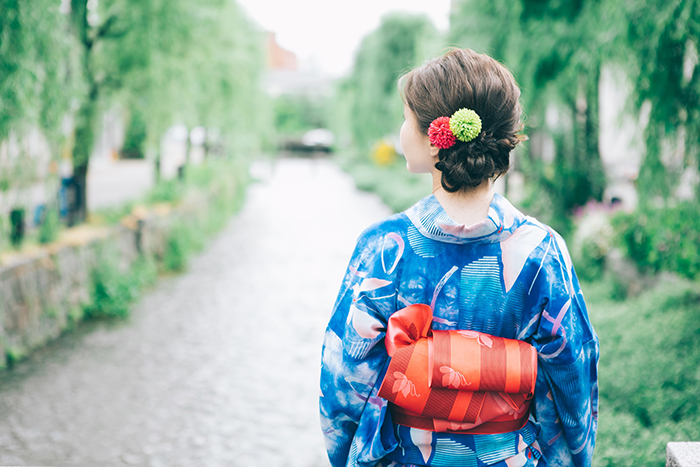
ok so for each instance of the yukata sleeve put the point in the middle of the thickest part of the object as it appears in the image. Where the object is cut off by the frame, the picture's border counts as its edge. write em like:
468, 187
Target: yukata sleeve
566, 395
353, 356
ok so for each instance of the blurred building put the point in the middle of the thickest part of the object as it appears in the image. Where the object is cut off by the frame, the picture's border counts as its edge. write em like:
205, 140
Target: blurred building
279, 58
285, 75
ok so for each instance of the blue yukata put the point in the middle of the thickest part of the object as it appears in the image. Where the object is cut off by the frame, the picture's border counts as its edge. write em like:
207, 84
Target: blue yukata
509, 276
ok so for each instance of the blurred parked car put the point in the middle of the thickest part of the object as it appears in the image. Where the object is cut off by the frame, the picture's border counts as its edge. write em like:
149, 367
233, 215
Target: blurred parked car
318, 140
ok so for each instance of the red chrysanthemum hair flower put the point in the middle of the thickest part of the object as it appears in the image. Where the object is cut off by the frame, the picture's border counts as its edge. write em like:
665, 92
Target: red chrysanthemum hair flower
440, 133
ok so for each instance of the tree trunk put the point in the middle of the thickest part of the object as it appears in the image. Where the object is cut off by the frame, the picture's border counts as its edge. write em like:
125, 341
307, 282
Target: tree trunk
596, 171
157, 164
587, 167
77, 211
84, 142
188, 150
85, 119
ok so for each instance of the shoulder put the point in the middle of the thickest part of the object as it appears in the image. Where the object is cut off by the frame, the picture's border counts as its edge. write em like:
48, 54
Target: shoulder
540, 238
535, 250
395, 225
382, 242
553, 243
549, 256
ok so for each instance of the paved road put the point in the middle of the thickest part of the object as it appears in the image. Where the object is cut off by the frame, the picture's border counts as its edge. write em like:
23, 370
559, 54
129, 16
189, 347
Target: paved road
216, 367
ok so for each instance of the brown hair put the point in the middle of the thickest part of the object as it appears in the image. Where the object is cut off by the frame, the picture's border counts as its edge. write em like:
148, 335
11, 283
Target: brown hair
463, 78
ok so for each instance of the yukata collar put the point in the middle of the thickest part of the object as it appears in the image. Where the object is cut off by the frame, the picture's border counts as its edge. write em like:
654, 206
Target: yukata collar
429, 217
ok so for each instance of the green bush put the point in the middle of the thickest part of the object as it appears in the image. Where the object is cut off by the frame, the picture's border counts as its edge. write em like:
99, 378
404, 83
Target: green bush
113, 214
223, 182
113, 290
226, 182
135, 137
590, 265
166, 191
50, 226
13, 355
663, 239
180, 245
648, 373
591, 242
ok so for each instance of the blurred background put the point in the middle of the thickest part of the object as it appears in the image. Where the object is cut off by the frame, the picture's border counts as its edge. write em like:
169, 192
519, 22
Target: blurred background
119, 112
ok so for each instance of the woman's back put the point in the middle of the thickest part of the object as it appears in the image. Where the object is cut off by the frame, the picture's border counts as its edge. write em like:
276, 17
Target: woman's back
506, 275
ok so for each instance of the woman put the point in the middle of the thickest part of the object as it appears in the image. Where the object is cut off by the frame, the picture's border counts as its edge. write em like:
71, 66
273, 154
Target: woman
480, 265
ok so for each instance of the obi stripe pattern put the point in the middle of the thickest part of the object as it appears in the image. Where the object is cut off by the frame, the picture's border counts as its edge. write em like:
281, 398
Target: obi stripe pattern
461, 381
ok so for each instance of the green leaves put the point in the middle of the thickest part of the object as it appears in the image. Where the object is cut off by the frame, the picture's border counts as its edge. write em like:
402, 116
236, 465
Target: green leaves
370, 99
175, 60
663, 239
33, 91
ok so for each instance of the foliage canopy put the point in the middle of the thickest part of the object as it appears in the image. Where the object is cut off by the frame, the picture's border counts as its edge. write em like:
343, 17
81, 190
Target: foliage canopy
557, 51
162, 61
368, 100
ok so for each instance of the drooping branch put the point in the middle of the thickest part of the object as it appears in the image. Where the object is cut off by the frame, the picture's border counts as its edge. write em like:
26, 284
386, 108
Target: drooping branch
79, 11
109, 81
107, 29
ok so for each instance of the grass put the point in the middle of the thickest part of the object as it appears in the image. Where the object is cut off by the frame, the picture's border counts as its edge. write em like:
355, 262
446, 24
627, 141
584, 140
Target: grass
113, 290
649, 375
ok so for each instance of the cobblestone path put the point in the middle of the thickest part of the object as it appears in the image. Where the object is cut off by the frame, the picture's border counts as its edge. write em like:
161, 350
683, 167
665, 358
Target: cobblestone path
216, 367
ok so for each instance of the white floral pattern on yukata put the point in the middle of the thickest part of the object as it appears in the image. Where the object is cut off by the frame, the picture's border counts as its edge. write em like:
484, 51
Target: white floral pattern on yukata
508, 276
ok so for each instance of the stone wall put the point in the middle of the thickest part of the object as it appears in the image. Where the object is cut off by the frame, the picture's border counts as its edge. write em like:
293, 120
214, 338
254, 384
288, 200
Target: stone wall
45, 292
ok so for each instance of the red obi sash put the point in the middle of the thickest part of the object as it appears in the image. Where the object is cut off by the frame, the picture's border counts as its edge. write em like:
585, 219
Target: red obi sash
457, 381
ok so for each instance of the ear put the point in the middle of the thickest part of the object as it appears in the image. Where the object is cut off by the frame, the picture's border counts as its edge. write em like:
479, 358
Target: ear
434, 150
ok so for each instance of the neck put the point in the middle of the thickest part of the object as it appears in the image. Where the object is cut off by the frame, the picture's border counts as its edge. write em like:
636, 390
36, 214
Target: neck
466, 207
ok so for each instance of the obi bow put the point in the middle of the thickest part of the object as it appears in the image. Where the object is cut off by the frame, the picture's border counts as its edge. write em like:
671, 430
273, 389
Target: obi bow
458, 381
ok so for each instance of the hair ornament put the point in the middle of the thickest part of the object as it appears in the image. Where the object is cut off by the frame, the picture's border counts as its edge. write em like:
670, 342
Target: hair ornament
464, 125
440, 134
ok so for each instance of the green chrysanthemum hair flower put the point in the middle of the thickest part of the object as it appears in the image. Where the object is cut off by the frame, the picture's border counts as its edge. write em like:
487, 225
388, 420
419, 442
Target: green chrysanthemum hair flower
465, 125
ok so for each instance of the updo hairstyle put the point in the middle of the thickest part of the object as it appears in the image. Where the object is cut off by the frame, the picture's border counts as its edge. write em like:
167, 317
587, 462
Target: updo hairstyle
459, 79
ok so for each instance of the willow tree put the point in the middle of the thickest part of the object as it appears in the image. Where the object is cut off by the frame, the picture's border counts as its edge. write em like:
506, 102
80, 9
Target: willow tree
171, 60
202, 66
561, 63
224, 79
661, 59
115, 44
554, 50
557, 49
36, 86
369, 95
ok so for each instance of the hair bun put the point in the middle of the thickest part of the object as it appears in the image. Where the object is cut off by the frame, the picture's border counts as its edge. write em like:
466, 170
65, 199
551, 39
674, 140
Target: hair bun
467, 165
463, 79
